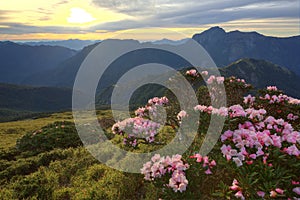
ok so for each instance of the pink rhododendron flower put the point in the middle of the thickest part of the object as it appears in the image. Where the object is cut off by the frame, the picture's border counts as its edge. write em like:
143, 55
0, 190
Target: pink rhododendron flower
192, 72
292, 117
272, 88
279, 191
181, 115
260, 193
236, 111
234, 187
293, 150
235, 182
198, 156
226, 151
205, 73
211, 79
227, 134
237, 161
240, 195
220, 79
297, 190
295, 182
273, 194
293, 100
208, 171
249, 99
206, 162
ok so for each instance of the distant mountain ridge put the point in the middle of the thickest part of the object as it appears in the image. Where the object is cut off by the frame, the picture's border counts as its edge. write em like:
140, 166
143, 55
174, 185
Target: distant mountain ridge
227, 47
19, 61
75, 44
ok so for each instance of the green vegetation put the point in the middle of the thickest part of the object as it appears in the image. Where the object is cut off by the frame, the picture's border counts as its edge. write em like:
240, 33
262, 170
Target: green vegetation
44, 159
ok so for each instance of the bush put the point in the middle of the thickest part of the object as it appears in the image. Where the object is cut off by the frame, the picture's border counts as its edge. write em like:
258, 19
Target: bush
57, 135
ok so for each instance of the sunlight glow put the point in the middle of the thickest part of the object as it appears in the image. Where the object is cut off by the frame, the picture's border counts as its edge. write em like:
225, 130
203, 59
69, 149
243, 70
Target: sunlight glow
80, 16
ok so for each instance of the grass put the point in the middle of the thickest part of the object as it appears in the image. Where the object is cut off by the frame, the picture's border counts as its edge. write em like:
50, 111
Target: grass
11, 131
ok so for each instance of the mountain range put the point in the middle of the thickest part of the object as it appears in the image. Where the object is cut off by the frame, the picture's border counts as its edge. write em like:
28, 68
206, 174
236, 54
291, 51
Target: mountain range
49, 71
259, 73
45, 65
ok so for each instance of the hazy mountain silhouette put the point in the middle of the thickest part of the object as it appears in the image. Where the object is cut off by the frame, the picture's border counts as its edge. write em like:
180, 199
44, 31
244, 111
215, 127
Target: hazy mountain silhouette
64, 75
19, 61
71, 43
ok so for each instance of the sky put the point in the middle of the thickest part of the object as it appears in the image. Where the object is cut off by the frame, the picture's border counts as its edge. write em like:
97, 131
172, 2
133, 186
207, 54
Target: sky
143, 19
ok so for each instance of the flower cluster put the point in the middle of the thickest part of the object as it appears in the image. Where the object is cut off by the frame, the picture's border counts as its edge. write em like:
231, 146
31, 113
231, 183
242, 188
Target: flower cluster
292, 117
160, 166
233, 111
192, 73
276, 98
252, 139
151, 107
272, 88
215, 79
195, 74
207, 164
281, 98
249, 100
259, 135
139, 127
136, 128
234, 79
239, 81
239, 194
294, 101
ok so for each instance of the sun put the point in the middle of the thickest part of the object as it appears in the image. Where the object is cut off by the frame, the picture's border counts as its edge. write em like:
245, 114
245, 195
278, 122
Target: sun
79, 16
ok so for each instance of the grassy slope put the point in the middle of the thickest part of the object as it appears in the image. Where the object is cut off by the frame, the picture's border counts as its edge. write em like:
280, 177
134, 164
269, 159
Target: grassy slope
11, 131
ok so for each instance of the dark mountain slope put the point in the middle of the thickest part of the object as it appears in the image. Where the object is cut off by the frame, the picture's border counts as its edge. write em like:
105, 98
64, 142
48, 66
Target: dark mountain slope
63, 75
261, 73
34, 99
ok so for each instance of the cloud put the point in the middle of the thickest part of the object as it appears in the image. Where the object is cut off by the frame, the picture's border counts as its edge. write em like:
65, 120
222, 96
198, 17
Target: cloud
4, 14
180, 13
19, 29
172, 14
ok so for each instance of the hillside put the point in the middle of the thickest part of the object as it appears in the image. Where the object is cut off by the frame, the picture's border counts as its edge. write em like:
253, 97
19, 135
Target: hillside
45, 158
14, 99
227, 47
17, 101
261, 73
19, 61
64, 75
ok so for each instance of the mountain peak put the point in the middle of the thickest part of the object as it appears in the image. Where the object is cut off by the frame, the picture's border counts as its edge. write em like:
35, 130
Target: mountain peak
215, 30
